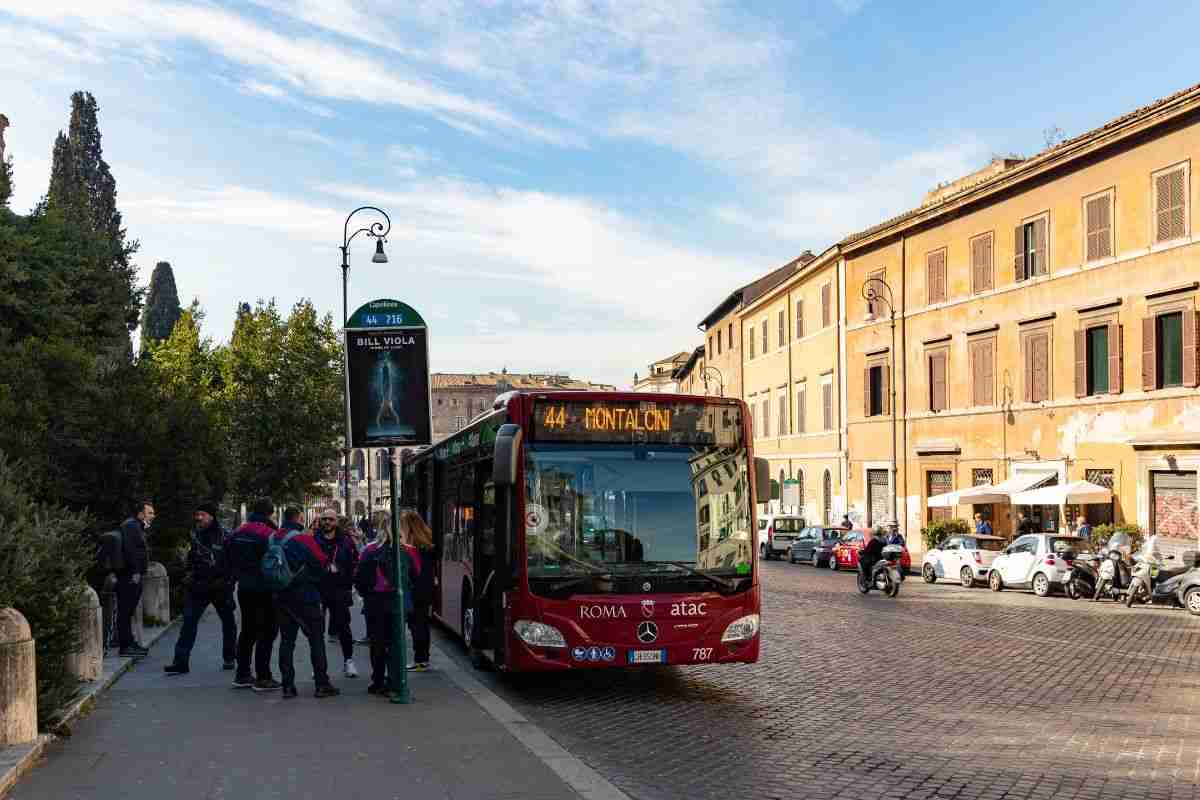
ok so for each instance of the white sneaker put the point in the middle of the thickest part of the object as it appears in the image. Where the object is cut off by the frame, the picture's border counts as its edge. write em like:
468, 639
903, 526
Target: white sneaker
351, 670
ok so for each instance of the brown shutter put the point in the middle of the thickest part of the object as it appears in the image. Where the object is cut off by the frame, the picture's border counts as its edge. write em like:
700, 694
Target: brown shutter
937, 382
825, 306
827, 406
987, 370
1029, 347
930, 280
1115, 352
1189, 347
1080, 363
1149, 356
799, 319
867, 392
1018, 256
1039, 243
885, 386
1041, 368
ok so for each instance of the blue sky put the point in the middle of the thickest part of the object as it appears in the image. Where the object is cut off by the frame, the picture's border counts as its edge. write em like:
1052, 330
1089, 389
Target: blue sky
573, 184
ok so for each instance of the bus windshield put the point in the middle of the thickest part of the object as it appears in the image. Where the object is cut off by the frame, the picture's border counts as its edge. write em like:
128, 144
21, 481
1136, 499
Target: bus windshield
634, 510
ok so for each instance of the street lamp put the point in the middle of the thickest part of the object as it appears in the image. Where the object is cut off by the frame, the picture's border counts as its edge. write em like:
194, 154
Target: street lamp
378, 231
720, 379
877, 290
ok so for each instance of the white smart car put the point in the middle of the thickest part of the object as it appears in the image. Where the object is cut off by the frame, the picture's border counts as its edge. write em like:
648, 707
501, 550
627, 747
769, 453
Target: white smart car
1038, 561
965, 559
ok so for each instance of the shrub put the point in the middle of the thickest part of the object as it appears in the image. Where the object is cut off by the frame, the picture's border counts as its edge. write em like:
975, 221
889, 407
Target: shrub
942, 529
44, 555
1102, 533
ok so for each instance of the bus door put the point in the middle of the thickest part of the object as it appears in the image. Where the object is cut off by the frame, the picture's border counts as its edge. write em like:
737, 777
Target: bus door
426, 494
484, 558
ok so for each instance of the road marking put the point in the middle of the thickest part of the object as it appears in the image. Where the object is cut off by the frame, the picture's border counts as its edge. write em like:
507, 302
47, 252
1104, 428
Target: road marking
576, 774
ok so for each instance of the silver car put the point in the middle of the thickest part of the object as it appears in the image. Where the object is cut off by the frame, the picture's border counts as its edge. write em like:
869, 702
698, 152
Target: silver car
1037, 561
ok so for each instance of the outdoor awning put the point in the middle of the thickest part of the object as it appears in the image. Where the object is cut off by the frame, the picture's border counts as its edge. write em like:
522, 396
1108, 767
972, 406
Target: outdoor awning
982, 495
1075, 493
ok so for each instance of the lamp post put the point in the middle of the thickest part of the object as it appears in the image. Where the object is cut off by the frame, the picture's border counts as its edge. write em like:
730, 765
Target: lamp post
720, 380
877, 290
378, 231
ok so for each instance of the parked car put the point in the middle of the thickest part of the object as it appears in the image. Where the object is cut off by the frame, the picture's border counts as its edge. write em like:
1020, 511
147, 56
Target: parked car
815, 545
966, 559
776, 533
846, 552
1038, 561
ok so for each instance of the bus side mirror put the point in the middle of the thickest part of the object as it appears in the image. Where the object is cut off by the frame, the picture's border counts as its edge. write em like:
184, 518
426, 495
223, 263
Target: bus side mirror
762, 480
508, 453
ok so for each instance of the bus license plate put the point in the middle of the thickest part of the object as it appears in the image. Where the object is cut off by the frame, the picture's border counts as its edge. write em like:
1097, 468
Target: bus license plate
647, 656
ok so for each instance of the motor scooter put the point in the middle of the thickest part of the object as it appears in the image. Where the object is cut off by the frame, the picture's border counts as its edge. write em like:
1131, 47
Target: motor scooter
1113, 577
1084, 576
885, 574
1154, 583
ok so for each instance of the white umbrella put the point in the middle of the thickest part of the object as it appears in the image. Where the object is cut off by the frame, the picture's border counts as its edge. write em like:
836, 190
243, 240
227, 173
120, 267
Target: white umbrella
1074, 493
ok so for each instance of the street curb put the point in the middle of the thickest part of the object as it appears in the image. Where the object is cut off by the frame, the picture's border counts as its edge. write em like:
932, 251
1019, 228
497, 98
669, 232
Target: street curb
588, 783
17, 760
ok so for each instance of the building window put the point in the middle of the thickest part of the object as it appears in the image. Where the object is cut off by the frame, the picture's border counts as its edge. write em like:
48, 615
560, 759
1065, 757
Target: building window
708, 352
827, 497
751, 354
981, 263
782, 402
878, 491
799, 319
1030, 248
459, 423
1098, 360
935, 277
938, 481
935, 369
981, 477
827, 404
766, 417
782, 328
1100, 513
876, 401
873, 308
1170, 204
766, 346
1037, 367
1169, 351
983, 372
826, 305
801, 417
730, 336
1098, 226
718, 341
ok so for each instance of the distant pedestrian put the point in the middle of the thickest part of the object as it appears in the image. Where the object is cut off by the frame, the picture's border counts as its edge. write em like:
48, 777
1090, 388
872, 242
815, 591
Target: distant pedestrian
336, 585
299, 610
419, 539
129, 579
895, 537
1024, 524
1084, 531
207, 584
846, 523
245, 550
982, 526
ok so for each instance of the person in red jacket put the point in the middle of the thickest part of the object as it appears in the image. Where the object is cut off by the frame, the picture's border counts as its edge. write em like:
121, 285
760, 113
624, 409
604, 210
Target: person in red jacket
373, 579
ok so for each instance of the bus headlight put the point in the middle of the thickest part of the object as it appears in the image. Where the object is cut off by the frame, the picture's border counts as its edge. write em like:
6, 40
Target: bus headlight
741, 630
539, 634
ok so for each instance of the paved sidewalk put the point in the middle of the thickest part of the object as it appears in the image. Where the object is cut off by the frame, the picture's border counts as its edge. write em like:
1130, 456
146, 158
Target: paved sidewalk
153, 737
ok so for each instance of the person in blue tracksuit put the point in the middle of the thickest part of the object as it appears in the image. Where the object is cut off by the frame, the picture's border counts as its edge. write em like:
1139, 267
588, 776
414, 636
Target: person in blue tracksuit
244, 551
299, 609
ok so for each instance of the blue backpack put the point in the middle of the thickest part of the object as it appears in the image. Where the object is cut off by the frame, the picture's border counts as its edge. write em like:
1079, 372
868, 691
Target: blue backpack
276, 571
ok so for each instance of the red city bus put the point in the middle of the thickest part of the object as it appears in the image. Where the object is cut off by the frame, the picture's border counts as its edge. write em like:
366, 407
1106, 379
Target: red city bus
580, 529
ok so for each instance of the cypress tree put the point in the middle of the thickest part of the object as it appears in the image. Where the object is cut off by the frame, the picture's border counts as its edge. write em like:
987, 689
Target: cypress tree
162, 310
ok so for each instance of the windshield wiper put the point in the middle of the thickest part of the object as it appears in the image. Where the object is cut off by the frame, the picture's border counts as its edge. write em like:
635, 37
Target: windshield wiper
683, 565
576, 580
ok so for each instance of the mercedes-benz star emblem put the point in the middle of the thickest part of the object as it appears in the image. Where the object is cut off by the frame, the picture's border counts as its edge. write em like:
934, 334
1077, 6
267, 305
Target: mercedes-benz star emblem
647, 632
646, 586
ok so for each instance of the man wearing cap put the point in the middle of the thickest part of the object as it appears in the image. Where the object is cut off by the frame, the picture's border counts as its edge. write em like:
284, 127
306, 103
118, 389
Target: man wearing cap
207, 582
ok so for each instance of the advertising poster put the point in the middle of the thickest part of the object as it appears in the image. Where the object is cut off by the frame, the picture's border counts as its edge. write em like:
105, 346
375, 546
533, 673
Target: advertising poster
388, 385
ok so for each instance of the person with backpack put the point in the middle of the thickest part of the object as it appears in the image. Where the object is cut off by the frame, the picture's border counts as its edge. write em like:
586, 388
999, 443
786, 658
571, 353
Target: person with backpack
207, 582
135, 560
337, 584
244, 551
293, 567
373, 579
419, 541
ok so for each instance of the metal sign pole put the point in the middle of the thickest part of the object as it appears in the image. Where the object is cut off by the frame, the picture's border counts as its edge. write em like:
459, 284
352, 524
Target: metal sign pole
399, 665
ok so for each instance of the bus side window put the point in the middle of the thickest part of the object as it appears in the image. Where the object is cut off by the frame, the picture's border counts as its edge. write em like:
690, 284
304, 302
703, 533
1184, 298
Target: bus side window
449, 517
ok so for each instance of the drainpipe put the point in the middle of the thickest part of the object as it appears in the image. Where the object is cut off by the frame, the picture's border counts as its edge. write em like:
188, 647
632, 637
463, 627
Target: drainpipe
843, 432
904, 386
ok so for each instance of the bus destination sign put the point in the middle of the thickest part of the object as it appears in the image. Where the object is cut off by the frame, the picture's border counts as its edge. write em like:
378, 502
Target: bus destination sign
650, 422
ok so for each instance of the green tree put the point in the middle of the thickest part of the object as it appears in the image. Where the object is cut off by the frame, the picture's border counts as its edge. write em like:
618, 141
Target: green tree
281, 400
161, 310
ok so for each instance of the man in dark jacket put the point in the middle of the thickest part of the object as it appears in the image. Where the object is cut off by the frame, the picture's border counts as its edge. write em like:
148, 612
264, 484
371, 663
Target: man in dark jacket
207, 583
336, 584
129, 580
245, 550
299, 609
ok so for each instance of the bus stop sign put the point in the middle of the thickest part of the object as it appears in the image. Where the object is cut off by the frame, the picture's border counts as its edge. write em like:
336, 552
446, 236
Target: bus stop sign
387, 376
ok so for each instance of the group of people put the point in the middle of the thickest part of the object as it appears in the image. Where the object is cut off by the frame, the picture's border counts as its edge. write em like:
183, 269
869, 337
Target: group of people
322, 567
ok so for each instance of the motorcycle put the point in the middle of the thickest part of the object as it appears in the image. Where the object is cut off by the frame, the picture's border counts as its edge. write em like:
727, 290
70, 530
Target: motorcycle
1153, 583
885, 574
1082, 580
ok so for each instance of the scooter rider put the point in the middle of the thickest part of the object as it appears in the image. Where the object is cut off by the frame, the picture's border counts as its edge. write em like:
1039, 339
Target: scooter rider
871, 553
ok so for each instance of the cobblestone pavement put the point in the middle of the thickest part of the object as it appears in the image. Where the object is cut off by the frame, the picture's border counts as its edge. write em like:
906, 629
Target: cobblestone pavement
944, 692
